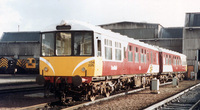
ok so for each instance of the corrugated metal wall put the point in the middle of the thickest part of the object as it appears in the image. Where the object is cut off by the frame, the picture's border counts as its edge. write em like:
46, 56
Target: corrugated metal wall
191, 38
172, 44
20, 36
20, 49
155, 34
137, 33
135, 30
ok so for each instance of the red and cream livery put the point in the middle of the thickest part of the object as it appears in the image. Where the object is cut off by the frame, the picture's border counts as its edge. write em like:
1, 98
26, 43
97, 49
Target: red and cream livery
88, 60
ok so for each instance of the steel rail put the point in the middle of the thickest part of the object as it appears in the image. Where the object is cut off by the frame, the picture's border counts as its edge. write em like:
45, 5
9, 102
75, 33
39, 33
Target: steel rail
34, 107
159, 104
195, 105
110, 97
21, 89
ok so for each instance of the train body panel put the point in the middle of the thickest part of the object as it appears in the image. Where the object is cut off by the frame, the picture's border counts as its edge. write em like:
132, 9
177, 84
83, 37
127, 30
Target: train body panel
172, 62
71, 66
153, 69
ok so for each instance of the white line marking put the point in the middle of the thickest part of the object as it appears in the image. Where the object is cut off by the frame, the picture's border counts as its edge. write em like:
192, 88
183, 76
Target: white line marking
49, 64
81, 63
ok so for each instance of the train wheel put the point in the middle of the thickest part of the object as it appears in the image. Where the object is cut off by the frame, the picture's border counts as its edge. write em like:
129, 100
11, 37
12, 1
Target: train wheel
47, 87
107, 94
92, 98
63, 98
107, 91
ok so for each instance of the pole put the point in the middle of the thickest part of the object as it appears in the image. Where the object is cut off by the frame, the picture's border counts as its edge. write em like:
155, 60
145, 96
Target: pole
18, 28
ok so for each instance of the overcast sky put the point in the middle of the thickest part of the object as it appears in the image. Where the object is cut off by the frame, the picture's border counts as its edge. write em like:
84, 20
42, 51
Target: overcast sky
36, 15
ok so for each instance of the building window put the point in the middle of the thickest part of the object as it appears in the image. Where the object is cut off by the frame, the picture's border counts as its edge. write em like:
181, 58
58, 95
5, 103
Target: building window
108, 49
130, 53
117, 51
136, 55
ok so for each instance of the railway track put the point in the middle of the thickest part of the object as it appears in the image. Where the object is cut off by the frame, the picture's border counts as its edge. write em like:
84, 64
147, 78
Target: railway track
79, 104
185, 100
19, 87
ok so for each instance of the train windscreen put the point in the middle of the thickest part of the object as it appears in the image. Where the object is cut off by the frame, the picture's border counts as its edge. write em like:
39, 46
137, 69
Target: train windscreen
48, 44
67, 44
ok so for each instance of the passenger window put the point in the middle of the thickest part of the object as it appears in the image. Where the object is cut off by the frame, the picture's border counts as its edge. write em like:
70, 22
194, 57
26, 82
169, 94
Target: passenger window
108, 49
156, 58
124, 52
142, 56
167, 59
163, 58
151, 57
174, 60
145, 56
136, 55
118, 51
130, 53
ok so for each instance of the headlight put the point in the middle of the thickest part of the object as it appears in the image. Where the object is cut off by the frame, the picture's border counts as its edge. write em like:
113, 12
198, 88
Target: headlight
45, 69
83, 69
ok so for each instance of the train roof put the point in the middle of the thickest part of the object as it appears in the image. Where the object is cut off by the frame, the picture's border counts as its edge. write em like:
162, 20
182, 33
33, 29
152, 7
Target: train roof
78, 25
171, 52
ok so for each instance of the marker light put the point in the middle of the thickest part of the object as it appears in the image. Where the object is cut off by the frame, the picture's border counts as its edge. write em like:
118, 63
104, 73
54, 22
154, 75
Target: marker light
83, 69
45, 69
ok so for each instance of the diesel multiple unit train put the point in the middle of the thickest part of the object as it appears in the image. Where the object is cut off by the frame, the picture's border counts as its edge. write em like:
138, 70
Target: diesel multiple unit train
82, 60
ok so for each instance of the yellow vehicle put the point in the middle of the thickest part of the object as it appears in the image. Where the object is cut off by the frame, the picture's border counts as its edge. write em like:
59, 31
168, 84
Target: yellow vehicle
68, 55
7, 65
30, 63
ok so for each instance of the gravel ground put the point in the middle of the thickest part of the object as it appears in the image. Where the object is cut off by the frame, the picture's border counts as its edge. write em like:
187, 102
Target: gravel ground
141, 99
13, 101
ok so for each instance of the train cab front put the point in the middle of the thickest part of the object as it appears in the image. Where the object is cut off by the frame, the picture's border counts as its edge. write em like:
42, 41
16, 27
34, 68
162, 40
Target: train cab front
68, 56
